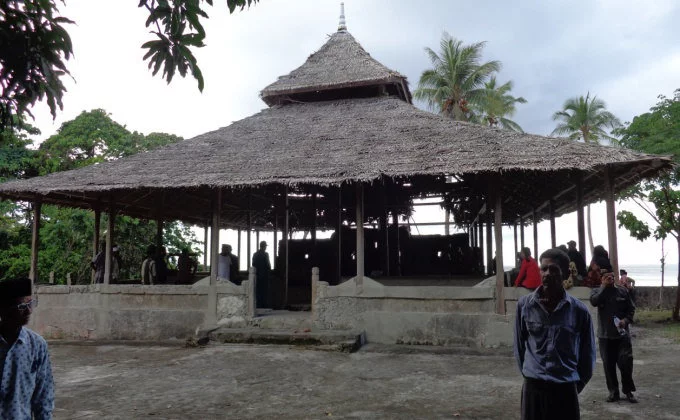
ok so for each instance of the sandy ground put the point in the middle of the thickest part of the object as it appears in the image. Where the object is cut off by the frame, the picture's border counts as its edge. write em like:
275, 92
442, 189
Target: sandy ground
378, 382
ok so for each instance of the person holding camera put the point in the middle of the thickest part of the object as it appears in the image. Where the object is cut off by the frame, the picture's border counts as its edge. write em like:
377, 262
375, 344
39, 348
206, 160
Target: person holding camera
615, 311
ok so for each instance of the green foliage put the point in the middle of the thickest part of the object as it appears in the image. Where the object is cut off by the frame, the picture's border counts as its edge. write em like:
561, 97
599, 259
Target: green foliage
638, 229
585, 119
496, 104
66, 234
457, 78
657, 131
34, 48
178, 28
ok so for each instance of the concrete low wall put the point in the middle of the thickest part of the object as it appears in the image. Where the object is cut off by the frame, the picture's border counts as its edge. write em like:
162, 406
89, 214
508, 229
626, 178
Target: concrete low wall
648, 297
439, 315
132, 312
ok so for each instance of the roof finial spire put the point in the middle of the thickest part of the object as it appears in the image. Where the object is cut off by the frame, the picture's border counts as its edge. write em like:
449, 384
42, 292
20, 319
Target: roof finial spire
342, 26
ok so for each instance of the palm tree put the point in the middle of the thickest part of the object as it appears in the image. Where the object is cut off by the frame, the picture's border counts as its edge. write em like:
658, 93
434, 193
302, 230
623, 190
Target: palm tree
497, 104
457, 78
585, 119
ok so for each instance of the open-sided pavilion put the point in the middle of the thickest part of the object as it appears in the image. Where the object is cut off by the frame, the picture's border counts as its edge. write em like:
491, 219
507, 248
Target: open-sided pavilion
341, 144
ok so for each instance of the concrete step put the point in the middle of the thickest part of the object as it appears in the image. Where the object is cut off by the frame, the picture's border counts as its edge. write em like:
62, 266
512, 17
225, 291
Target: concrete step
342, 341
282, 320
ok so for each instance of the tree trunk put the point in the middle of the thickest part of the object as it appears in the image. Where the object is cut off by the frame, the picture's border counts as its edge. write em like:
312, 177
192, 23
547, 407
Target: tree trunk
590, 233
676, 309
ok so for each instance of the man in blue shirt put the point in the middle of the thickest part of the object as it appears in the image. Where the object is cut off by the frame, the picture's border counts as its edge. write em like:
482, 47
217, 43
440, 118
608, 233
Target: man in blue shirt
554, 344
26, 385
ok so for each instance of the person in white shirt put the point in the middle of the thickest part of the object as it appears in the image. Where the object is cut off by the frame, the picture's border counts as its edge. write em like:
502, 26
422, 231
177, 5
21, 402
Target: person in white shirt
227, 265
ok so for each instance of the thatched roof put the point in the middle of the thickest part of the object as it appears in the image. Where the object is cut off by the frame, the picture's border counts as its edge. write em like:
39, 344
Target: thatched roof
344, 141
341, 63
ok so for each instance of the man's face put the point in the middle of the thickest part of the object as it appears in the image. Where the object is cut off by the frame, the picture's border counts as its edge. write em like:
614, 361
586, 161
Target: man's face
227, 250
551, 275
18, 313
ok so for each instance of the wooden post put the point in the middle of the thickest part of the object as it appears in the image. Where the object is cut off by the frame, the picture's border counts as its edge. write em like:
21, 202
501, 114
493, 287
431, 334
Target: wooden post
553, 234
611, 222
314, 221
481, 261
159, 233
35, 241
338, 232
205, 245
580, 217
239, 254
521, 232
275, 245
286, 236
95, 237
500, 273
211, 317
395, 222
385, 231
250, 228
489, 240
108, 263
514, 256
534, 215
360, 235
215, 236
257, 239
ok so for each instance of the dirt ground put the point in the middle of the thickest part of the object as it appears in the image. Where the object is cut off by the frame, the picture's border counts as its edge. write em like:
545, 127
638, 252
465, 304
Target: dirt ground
378, 382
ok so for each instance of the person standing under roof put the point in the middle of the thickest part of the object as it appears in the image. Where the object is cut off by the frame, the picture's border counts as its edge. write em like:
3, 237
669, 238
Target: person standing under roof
599, 265
577, 258
554, 344
98, 264
529, 275
227, 264
615, 312
26, 384
262, 269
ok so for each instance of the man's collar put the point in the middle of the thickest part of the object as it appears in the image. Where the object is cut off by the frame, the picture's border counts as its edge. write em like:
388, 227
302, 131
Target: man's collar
536, 296
21, 338
23, 335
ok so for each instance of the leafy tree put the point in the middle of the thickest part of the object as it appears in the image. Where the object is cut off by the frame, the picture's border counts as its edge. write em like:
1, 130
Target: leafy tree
657, 131
585, 118
496, 104
35, 46
66, 233
457, 78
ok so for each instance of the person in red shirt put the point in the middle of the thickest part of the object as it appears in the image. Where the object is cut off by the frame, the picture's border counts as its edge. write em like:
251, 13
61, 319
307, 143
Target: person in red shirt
529, 273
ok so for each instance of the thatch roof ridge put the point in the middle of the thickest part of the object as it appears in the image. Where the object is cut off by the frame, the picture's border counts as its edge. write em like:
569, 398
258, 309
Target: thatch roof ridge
328, 143
341, 62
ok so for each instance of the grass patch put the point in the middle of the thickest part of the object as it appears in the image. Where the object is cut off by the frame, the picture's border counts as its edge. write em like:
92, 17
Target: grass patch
660, 321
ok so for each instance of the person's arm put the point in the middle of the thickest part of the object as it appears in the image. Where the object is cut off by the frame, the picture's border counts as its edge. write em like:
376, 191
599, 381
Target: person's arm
596, 295
520, 336
42, 400
522, 273
586, 359
152, 272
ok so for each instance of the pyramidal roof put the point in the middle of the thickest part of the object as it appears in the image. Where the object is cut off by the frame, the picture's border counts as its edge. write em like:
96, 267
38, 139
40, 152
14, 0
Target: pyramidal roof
341, 63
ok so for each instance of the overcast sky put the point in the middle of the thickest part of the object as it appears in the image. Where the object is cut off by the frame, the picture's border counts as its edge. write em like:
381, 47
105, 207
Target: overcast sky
626, 52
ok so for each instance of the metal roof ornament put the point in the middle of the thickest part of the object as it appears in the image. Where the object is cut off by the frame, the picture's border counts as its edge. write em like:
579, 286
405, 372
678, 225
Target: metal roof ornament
342, 26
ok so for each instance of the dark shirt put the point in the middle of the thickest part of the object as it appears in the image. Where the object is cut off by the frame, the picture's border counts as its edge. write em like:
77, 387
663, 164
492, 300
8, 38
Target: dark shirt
161, 270
577, 258
612, 302
261, 264
557, 346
